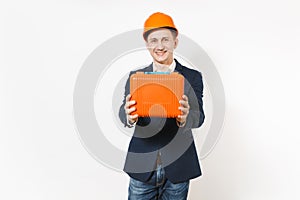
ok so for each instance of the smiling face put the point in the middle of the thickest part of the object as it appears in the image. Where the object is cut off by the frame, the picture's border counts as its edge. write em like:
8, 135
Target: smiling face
161, 44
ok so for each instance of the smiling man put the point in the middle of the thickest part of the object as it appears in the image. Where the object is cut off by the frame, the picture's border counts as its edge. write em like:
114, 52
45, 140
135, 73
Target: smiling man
161, 44
170, 159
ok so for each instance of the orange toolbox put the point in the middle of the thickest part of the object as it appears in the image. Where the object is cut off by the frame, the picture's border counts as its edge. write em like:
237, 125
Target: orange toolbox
157, 94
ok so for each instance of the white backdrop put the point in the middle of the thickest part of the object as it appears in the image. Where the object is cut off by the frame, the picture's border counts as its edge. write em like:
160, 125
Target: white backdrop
255, 46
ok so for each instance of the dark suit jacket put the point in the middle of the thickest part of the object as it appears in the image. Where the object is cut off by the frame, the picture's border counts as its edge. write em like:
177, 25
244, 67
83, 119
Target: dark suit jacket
176, 145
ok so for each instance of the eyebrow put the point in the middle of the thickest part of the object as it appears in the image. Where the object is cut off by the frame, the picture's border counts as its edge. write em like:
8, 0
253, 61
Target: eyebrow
154, 38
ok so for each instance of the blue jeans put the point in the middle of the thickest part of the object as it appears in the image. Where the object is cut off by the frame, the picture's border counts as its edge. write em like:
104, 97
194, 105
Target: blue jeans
157, 188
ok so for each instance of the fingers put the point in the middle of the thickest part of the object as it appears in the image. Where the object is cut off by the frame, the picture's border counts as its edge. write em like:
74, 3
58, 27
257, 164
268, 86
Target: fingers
128, 111
128, 97
128, 104
185, 98
129, 108
132, 118
184, 102
184, 111
184, 108
181, 118
184, 105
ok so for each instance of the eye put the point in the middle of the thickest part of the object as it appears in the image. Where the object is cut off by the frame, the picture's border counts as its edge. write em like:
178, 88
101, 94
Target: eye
153, 41
165, 39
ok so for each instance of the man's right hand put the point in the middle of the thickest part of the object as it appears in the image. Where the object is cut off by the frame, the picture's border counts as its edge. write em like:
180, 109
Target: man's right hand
129, 108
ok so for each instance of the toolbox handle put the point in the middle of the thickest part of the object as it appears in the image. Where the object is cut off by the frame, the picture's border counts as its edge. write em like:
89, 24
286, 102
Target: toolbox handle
158, 72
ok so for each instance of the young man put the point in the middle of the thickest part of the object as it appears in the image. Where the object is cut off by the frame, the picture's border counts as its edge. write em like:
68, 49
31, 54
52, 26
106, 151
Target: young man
162, 156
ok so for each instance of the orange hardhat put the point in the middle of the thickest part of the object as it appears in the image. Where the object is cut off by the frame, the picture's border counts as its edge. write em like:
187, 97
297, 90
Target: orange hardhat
158, 20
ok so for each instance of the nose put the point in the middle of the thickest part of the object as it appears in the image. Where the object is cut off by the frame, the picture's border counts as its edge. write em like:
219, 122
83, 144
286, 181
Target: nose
160, 45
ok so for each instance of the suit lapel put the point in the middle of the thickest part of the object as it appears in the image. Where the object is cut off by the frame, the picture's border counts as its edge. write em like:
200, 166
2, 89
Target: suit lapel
149, 68
178, 67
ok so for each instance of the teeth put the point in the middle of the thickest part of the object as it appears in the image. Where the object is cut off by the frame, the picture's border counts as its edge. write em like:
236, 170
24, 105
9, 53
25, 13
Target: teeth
160, 53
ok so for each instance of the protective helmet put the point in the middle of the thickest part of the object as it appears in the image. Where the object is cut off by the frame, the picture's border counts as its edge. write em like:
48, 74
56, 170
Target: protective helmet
158, 20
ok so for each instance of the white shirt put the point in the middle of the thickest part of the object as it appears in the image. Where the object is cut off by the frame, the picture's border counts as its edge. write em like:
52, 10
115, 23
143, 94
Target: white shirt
170, 68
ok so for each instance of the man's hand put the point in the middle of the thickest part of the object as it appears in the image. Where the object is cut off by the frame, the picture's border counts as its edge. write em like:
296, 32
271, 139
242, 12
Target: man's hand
129, 108
184, 108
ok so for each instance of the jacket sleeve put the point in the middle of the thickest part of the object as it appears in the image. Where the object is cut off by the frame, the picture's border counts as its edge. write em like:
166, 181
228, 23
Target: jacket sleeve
196, 114
122, 114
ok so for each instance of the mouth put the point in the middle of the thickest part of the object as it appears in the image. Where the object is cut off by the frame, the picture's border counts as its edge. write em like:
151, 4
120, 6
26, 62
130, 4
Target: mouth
160, 53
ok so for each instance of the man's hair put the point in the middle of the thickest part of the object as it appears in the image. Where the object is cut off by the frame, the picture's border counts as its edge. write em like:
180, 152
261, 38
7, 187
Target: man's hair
174, 32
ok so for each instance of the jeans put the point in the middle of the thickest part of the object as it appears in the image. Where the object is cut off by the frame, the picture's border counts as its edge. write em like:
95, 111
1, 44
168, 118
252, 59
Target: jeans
157, 188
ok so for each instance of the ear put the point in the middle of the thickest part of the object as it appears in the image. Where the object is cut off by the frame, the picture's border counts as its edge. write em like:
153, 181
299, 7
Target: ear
176, 42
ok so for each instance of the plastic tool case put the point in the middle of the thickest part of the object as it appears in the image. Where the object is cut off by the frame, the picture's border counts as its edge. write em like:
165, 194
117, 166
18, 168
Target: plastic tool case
157, 94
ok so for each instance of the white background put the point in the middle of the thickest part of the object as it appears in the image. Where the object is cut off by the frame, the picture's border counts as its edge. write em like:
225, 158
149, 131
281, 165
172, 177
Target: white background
254, 44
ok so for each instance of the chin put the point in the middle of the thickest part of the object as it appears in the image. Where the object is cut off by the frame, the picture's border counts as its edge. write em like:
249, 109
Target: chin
161, 60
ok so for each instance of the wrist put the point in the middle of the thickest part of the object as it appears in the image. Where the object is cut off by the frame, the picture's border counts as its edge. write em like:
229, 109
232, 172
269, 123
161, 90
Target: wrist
180, 124
131, 123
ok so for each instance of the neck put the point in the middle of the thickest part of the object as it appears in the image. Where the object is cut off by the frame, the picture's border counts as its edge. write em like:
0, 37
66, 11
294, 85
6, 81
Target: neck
163, 67
167, 63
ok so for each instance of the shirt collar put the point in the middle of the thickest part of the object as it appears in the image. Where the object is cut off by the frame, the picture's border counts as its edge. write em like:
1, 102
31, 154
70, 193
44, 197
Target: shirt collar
171, 67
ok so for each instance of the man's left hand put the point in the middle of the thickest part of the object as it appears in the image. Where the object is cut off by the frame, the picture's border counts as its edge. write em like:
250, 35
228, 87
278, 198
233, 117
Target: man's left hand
184, 108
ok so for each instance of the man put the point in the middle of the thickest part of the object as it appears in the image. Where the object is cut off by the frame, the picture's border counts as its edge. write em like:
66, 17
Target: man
162, 156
